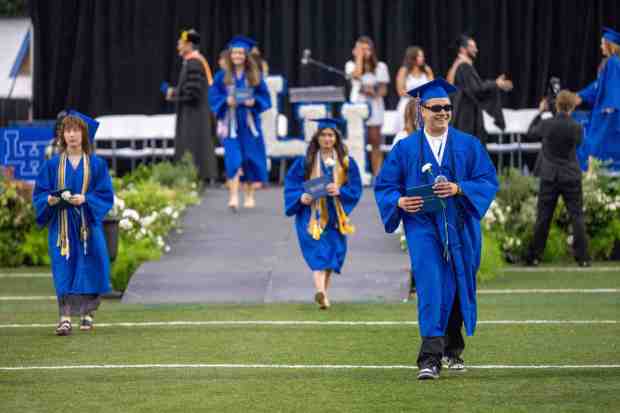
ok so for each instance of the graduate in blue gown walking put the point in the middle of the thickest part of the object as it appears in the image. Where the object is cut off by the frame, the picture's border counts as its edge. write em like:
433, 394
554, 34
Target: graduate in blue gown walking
602, 137
445, 245
237, 97
323, 224
72, 194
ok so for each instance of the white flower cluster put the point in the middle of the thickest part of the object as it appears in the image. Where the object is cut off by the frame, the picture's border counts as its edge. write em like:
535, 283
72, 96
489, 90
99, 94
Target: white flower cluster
149, 226
495, 215
613, 204
510, 243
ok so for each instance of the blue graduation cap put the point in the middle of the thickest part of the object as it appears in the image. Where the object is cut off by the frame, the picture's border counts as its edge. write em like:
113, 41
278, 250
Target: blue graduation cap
438, 88
242, 42
611, 35
90, 122
329, 123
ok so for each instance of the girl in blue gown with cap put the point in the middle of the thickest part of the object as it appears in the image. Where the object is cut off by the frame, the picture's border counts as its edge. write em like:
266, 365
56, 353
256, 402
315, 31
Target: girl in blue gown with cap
444, 245
245, 156
602, 138
323, 224
76, 243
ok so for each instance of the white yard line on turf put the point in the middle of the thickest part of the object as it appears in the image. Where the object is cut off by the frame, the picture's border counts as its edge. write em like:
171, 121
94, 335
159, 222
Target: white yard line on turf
302, 366
549, 291
305, 323
28, 298
561, 269
482, 291
26, 275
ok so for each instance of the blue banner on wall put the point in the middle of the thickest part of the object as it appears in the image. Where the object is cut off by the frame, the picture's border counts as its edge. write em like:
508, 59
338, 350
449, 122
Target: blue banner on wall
24, 150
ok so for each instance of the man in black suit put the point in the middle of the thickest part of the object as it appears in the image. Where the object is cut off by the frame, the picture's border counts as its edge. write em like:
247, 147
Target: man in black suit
559, 173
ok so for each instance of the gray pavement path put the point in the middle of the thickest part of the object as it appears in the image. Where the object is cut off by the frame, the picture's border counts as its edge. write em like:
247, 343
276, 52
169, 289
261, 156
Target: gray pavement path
254, 257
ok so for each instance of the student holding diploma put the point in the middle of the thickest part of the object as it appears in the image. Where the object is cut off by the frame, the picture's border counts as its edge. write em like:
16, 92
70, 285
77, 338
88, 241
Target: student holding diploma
72, 195
321, 190
237, 97
444, 237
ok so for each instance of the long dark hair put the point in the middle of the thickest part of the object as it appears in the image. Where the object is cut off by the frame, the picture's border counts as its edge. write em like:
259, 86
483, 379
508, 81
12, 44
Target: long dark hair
371, 64
411, 55
314, 147
252, 72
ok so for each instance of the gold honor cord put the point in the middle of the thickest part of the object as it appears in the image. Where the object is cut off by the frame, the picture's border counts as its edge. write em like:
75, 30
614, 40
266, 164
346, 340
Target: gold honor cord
63, 228
319, 207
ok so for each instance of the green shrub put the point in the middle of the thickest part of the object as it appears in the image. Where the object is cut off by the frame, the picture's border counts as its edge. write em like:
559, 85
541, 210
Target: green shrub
131, 254
492, 261
16, 219
35, 247
557, 248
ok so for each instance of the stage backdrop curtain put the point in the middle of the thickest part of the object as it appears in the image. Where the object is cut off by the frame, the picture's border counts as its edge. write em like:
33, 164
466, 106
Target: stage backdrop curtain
110, 56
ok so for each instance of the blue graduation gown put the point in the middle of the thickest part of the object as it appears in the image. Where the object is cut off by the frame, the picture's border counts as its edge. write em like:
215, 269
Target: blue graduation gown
328, 252
437, 280
82, 273
246, 150
602, 135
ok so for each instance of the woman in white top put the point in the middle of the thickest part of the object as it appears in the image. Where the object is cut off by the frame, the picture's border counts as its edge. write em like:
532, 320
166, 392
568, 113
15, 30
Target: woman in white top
411, 121
369, 80
413, 73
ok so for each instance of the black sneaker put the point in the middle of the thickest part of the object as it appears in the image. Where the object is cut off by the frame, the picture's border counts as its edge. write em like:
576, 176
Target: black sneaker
532, 262
455, 364
584, 264
86, 324
428, 373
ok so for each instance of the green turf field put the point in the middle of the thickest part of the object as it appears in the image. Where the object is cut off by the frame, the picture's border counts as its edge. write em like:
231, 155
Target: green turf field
316, 367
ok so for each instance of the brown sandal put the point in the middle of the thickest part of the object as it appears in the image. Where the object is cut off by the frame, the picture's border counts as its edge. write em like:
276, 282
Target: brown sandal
319, 298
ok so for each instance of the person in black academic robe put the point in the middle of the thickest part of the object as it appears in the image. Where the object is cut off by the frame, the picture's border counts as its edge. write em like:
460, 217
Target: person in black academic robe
194, 126
474, 94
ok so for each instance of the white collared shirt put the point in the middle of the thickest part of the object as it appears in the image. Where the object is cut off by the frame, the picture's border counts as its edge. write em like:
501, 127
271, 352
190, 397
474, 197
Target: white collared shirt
437, 144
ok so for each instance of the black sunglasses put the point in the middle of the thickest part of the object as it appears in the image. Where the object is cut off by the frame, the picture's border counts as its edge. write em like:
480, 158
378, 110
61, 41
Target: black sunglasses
439, 108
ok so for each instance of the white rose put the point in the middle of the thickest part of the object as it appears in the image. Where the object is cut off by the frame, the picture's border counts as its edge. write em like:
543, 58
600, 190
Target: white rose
427, 168
125, 224
131, 213
330, 162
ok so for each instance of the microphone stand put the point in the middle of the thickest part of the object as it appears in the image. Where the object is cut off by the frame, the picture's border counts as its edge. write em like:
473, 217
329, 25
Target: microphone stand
308, 60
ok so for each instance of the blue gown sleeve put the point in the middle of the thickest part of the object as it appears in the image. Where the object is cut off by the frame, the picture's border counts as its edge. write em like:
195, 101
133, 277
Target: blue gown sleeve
262, 99
389, 187
351, 192
609, 85
294, 188
44, 184
218, 93
588, 94
100, 194
481, 186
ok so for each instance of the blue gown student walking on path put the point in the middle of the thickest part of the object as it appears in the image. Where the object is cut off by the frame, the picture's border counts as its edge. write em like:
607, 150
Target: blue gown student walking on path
602, 138
237, 97
445, 245
322, 224
72, 195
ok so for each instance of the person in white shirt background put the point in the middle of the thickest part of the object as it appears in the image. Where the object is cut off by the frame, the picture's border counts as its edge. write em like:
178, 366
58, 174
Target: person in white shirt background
369, 80
413, 73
